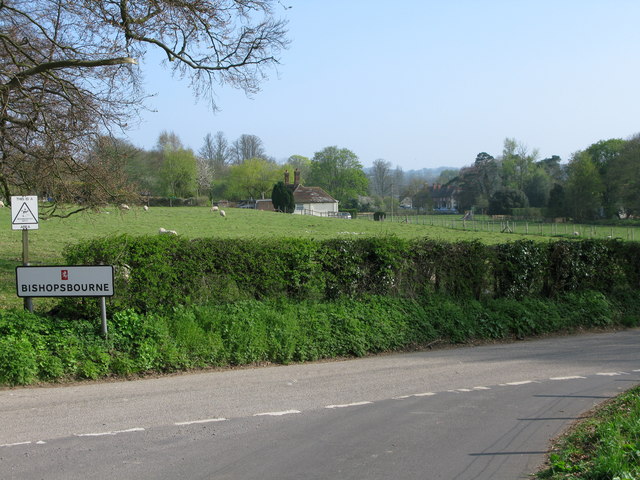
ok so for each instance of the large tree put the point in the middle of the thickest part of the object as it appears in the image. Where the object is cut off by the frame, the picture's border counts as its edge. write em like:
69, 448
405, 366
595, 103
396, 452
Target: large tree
216, 153
381, 178
623, 177
68, 74
339, 172
252, 179
583, 193
247, 147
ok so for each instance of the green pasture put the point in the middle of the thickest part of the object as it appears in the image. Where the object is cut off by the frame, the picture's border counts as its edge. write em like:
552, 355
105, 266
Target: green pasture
47, 243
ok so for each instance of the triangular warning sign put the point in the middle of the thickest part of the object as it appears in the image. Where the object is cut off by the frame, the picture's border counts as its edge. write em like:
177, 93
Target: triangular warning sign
25, 216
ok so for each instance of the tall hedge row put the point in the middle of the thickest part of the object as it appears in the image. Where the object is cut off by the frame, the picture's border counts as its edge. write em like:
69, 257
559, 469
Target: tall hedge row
159, 272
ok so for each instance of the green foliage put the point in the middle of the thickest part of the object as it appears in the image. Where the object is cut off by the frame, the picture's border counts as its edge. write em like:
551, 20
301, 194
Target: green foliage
42, 348
504, 201
604, 447
154, 273
339, 172
519, 269
282, 198
178, 173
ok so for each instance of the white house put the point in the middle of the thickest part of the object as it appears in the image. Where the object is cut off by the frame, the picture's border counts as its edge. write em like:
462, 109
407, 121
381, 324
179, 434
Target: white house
314, 201
308, 200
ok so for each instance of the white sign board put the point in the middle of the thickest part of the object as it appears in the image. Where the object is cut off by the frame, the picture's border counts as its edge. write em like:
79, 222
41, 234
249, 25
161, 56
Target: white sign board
24, 213
60, 281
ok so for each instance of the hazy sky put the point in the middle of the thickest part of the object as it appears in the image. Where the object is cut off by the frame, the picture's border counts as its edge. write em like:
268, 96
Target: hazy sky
425, 83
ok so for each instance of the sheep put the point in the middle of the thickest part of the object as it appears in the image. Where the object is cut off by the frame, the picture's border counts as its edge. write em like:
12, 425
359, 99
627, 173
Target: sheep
214, 208
125, 271
576, 234
223, 215
167, 232
1, 204
124, 206
145, 208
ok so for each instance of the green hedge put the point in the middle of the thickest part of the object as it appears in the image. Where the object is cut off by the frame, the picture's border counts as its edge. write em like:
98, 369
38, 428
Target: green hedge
45, 348
159, 272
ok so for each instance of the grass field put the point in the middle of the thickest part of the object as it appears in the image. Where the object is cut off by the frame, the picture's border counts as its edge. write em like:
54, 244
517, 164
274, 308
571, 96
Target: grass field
47, 243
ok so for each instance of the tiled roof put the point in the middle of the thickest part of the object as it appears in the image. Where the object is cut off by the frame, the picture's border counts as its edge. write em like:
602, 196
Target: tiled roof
304, 194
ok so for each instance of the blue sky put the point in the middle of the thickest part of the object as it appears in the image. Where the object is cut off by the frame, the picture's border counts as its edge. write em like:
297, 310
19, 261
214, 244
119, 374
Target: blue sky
425, 84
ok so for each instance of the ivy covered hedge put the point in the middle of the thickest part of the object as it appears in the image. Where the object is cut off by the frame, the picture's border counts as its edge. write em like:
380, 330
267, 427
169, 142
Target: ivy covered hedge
154, 273
45, 348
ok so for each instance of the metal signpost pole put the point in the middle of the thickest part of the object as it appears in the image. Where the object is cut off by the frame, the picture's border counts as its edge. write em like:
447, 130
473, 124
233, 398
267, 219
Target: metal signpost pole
28, 301
103, 312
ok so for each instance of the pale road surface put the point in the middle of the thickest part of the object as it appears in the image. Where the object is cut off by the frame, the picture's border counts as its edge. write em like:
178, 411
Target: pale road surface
476, 413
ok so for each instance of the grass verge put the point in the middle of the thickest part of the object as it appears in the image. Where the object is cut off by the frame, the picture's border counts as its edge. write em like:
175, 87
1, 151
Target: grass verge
45, 348
604, 447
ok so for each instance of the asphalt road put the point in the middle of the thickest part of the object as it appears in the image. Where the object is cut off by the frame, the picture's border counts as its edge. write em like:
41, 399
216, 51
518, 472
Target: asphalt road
470, 413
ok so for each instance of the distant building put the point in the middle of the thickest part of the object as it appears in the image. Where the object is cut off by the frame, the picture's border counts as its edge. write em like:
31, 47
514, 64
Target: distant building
443, 197
308, 200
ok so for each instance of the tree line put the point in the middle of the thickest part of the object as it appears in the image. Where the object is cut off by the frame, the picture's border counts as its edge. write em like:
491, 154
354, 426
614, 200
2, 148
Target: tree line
238, 170
601, 181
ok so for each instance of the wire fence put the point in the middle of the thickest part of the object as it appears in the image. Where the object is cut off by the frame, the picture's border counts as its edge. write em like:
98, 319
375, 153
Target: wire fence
504, 225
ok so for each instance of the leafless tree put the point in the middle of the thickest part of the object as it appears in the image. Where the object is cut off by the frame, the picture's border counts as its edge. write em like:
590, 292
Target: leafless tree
68, 74
381, 177
247, 147
216, 153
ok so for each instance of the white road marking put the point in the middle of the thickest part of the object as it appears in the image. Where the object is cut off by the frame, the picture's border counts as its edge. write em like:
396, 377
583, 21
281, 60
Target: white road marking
355, 404
276, 414
15, 444
608, 374
40, 442
515, 384
115, 432
481, 388
208, 420
574, 377
464, 390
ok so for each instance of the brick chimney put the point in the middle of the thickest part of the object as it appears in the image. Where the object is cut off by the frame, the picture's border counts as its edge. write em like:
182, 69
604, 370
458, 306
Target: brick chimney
296, 177
286, 177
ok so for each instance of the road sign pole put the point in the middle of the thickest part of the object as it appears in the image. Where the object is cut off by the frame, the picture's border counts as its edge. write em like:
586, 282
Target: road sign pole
28, 301
103, 312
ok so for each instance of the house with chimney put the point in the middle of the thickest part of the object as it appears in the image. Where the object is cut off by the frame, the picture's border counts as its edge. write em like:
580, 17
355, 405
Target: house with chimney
308, 200
443, 198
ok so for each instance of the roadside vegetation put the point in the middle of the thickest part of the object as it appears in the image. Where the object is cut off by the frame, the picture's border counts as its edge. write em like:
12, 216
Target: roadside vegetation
202, 300
48, 242
604, 447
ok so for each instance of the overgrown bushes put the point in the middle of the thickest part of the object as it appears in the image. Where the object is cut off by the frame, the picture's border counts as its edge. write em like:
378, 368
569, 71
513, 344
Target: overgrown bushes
43, 348
184, 304
156, 272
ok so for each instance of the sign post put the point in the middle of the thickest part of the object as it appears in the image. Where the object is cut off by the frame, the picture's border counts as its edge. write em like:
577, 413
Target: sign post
24, 216
67, 281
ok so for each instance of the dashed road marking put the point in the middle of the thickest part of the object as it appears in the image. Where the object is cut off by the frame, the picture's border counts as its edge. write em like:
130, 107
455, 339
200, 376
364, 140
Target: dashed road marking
207, 420
14, 444
574, 377
115, 432
515, 384
608, 374
354, 404
276, 414
425, 394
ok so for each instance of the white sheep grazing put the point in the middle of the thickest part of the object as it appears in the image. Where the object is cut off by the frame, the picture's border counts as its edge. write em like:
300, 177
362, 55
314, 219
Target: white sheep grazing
222, 214
167, 232
1, 204
214, 208
145, 208
124, 206
577, 234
